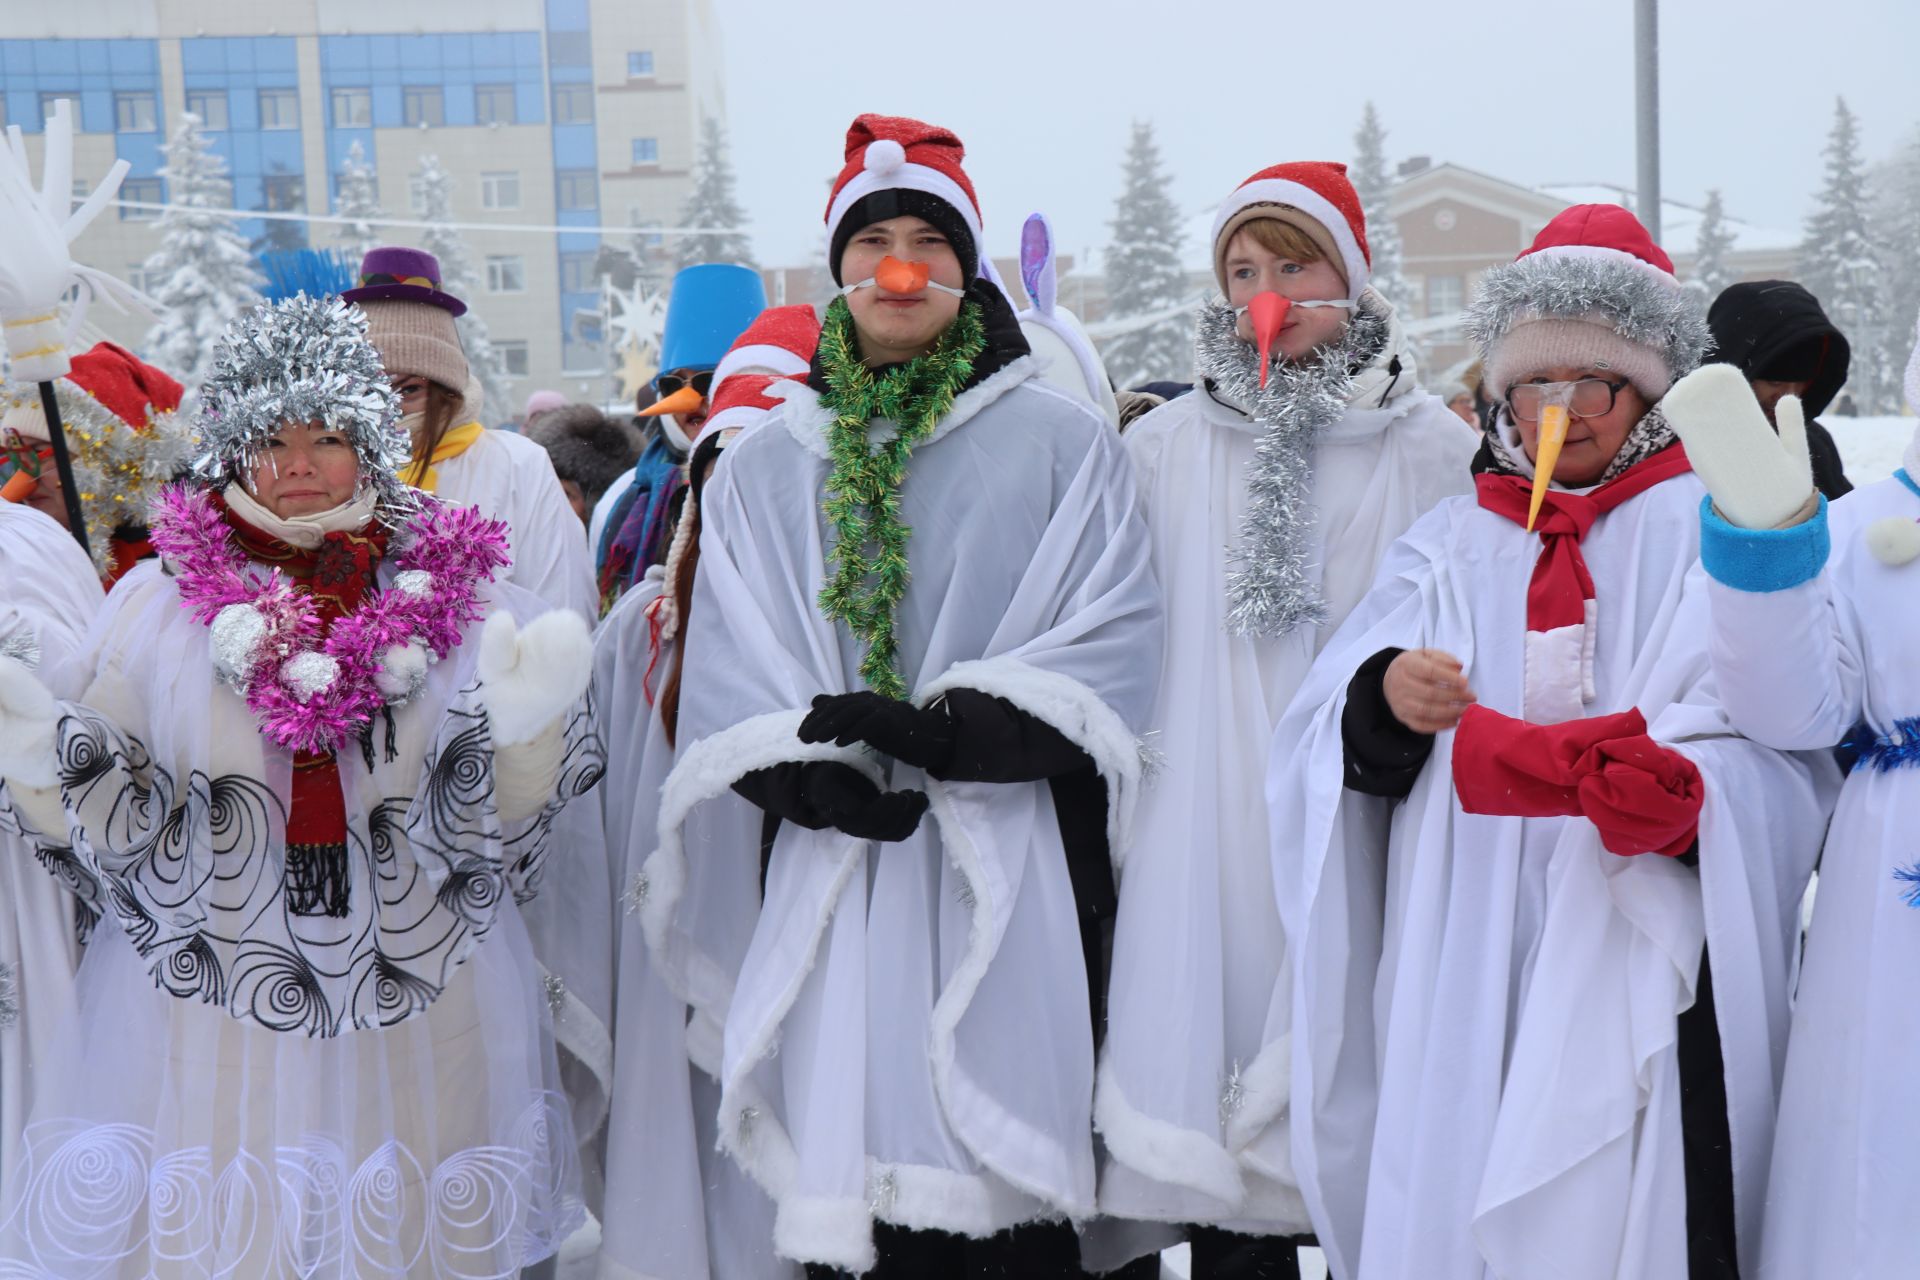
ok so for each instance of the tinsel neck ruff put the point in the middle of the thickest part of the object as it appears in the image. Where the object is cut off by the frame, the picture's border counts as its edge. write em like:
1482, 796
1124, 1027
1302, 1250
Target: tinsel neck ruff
1270, 585
867, 563
302, 360
311, 693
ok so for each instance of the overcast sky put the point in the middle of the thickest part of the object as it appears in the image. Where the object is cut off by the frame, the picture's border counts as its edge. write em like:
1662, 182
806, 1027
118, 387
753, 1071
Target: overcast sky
1042, 91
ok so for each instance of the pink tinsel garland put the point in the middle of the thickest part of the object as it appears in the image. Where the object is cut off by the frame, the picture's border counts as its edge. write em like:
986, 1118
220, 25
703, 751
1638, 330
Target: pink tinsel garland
455, 546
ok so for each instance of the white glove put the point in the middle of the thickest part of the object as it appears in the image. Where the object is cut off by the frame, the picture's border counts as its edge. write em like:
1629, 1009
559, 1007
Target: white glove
531, 677
28, 722
1758, 480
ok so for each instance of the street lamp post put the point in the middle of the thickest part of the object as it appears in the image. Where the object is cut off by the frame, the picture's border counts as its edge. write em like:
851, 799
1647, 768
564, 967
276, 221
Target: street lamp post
1646, 85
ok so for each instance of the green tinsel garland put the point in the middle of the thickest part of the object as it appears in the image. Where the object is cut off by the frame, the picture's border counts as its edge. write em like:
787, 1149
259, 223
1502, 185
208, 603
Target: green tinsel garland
867, 574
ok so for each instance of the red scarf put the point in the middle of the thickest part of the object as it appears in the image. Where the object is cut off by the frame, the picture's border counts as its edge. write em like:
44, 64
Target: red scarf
335, 576
1560, 604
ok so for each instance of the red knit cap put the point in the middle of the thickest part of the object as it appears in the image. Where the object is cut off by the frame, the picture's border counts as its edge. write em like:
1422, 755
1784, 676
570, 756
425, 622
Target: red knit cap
894, 153
780, 341
1316, 188
1602, 230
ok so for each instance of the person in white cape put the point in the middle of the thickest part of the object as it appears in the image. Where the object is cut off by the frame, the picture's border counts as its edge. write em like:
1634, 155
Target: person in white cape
1814, 617
53, 593
309, 1035
943, 765
1312, 476
1525, 1043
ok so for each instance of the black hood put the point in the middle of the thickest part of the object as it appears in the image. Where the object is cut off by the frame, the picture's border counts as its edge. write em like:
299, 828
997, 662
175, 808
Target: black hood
1775, 329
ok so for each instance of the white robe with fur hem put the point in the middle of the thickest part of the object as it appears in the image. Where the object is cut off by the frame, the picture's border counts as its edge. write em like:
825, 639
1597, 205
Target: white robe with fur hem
1485, 1007
926, 1000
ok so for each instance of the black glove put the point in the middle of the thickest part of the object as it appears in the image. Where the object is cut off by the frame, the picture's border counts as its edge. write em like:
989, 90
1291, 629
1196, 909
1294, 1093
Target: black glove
817, 794
923, 739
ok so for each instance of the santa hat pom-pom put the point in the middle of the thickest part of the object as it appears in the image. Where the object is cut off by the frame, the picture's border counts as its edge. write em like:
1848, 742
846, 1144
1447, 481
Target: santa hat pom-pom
1894, 541
884, 156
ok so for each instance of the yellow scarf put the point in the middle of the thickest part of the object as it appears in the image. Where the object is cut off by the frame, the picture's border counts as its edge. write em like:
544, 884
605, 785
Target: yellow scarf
424, 473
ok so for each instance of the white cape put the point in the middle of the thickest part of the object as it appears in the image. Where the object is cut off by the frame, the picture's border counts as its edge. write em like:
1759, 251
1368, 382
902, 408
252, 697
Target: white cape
927, 999
1198, 1007
1485, 1008
509, 477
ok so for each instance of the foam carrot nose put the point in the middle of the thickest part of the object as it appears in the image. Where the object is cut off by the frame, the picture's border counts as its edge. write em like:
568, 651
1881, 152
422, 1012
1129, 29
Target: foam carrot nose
896, 276
685, 400
18, 486
1267, 312
1553, 434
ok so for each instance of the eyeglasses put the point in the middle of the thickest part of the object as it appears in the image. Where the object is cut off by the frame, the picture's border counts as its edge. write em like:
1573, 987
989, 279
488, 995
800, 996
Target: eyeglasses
672, 382
1589, 398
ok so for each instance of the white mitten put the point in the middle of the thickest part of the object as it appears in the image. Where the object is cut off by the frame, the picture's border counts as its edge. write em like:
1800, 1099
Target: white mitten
28, 722
531, 677
1758, 480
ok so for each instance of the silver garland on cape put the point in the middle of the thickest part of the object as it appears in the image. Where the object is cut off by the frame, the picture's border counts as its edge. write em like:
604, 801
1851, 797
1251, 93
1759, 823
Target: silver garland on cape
1270, 590
303, 360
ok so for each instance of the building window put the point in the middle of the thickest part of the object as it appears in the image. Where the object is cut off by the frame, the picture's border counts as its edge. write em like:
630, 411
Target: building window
423, 104
135, 113
500, 190
140, 191
282, 192
506, 274
646, 151
52, 96
573, 104
577, 273
1446, 295
493, 104
575, 189
279, 109
513, 356
353, 108
210, 105
640, 64
140, 278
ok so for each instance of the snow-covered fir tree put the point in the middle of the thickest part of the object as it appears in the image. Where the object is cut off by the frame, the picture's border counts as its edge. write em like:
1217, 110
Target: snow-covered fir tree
1710, 273
1144, 277
1373, 182
358, 201
1896, 232
1839, 266
458, 276
712, 203
202, 275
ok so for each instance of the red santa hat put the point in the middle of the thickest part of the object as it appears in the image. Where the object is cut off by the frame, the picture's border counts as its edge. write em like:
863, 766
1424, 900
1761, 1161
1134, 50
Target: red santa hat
780, 341
1592, 291
132, 391
894, 153
1313, 195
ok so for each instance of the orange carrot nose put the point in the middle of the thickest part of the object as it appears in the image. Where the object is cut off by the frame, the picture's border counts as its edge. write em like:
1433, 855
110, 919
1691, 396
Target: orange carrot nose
1267, 312
18, 486
896, 276
685, 400
1553, 437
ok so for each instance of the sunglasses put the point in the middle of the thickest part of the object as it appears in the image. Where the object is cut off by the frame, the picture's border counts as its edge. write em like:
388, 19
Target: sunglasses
672, 382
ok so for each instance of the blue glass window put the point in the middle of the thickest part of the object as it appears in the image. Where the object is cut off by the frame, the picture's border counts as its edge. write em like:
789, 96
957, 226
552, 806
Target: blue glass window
493, 104
646, 151
210, 105
140, 191
279, 109
639, 63
135, 113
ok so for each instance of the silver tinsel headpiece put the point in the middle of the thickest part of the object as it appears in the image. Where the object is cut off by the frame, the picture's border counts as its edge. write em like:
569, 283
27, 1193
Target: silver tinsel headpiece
1270, 589
1545, 286
302, 360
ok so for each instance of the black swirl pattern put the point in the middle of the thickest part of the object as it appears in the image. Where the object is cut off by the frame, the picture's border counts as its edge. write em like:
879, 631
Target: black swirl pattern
278, 989
190, 970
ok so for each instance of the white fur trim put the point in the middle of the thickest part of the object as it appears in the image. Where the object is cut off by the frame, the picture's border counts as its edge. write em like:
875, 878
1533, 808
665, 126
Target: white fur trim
1612, 255
759, 357
1315, 206
838, 1233
1162, 1151
807, 419
923, 1198
733, 418
907, 177
1557, 672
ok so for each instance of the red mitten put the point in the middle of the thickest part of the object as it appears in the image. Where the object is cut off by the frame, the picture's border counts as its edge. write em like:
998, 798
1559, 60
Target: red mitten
1642, 797
1509, 768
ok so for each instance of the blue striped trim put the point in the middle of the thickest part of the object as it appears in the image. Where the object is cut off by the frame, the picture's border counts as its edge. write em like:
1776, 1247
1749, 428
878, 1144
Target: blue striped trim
1760, 560
1897, 749
1907, 480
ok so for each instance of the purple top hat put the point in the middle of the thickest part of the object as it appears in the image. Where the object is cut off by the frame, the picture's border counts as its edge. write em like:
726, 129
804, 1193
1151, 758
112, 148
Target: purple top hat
391, 273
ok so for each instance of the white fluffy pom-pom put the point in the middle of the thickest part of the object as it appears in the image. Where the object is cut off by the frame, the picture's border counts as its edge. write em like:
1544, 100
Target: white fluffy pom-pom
235, 638
1894, 541
403, 669
417, 583
885, 156
309, 673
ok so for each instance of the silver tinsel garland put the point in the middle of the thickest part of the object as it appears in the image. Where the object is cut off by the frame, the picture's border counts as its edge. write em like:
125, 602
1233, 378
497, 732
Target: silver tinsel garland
297, 361
1270, 589
1643, 309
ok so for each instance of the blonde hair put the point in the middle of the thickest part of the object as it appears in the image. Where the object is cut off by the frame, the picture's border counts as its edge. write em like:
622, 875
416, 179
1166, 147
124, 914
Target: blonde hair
1281, 239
